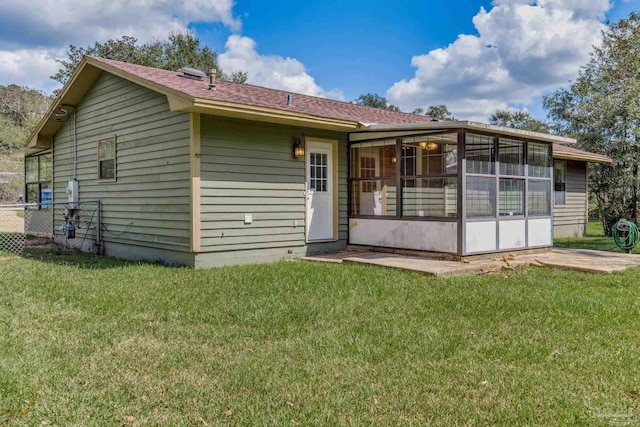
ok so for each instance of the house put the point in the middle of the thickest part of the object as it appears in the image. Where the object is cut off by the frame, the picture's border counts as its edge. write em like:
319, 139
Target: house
203, 173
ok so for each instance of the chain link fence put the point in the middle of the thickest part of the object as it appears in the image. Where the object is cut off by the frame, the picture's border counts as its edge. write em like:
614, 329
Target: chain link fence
72, 225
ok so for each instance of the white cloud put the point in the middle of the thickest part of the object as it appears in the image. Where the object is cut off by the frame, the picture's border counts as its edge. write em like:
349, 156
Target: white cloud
33, 33
270, 71
28, 57
23, 66
52, 23
522, 50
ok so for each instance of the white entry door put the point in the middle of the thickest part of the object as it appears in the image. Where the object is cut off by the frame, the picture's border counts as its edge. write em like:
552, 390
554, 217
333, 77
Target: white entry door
319, 163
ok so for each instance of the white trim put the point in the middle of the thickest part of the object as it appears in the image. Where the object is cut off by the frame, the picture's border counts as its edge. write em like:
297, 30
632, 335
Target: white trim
466, 125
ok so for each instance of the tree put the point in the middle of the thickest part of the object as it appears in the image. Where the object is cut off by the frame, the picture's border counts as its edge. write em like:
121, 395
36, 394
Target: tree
238, 77
437, 112
182, 49
602, 110
376, 101
518, 120
20, 111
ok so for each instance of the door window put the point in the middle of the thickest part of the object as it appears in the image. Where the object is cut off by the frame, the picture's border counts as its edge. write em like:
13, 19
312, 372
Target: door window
318, 170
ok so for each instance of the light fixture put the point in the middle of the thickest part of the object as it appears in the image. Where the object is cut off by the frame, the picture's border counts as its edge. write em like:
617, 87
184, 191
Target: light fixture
298, 148
429, 146
394, 160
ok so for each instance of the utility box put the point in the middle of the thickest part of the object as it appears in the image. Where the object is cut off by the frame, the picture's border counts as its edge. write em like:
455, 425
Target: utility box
72, 192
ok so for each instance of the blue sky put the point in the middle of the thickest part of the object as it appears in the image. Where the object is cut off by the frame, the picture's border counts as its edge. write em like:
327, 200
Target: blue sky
474, 56
363, 47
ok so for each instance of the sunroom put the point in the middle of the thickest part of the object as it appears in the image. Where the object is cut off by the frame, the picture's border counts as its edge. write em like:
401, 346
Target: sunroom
460, 188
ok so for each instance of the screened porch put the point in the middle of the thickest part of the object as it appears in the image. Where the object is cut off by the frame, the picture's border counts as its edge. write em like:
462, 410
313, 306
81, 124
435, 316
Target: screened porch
460, 191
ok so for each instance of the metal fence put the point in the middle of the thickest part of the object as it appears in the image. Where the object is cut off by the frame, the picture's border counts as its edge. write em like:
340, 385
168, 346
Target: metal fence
73, 225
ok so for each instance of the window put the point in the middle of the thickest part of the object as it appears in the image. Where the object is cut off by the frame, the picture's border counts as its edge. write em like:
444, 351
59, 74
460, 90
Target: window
511, 157
419, 173
481, 197
481, 190
539, 160
539, 168
511, 197
480, 154
560, 182
318, 170
373, 178
430, 197
368, 170
107, 159
38, 176
539, 197
429, 176
511, 164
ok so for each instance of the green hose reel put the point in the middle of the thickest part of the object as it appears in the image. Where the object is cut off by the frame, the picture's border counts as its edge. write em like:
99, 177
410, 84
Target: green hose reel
625, 234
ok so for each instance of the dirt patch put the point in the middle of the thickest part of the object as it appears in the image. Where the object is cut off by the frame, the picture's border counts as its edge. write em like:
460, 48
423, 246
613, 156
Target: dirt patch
10, 222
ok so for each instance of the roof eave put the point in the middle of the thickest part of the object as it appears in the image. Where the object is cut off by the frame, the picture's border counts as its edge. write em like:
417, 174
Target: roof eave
40, 138
460, 124
74, 90
263, 114
588, 157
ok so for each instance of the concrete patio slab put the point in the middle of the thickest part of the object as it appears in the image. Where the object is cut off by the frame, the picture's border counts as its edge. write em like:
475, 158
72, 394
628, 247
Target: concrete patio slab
572, 259
427, 266
588, 260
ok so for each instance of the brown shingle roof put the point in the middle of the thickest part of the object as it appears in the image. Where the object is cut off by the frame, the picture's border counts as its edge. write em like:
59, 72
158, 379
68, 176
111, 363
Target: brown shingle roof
247, 94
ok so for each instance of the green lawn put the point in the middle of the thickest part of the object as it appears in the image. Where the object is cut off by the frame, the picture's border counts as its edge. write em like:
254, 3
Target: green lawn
100, 342
595, 239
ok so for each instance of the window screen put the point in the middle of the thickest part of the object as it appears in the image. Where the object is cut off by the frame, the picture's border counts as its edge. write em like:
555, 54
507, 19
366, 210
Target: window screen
539, 160
430, 197
480, 154
539, 197
511, 198
481, 197
511, 156
373, 197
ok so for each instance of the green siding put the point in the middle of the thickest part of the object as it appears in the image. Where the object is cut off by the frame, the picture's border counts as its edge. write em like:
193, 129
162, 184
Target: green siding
247, 168
149, 204
570, 220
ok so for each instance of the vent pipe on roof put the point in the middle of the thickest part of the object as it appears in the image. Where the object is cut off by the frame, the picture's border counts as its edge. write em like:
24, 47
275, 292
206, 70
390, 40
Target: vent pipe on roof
289, 99
212, 79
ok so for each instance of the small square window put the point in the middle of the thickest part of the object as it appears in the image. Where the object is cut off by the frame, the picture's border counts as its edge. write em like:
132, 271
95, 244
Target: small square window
107, 159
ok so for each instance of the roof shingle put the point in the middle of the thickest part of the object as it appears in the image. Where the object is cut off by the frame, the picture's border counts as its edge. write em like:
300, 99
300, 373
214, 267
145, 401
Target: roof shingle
257, 96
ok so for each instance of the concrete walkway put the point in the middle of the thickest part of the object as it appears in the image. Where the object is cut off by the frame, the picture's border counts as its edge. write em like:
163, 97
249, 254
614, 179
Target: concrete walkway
572, 259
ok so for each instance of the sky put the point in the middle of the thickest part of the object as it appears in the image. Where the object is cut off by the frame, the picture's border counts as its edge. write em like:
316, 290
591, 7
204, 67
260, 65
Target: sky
474, 56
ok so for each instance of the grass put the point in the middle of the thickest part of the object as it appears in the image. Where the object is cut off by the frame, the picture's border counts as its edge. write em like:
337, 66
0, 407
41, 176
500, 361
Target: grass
98, 342
594, 239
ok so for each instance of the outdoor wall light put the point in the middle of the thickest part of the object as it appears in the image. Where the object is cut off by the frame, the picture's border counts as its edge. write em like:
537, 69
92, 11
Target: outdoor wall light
394, 160
298, 148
